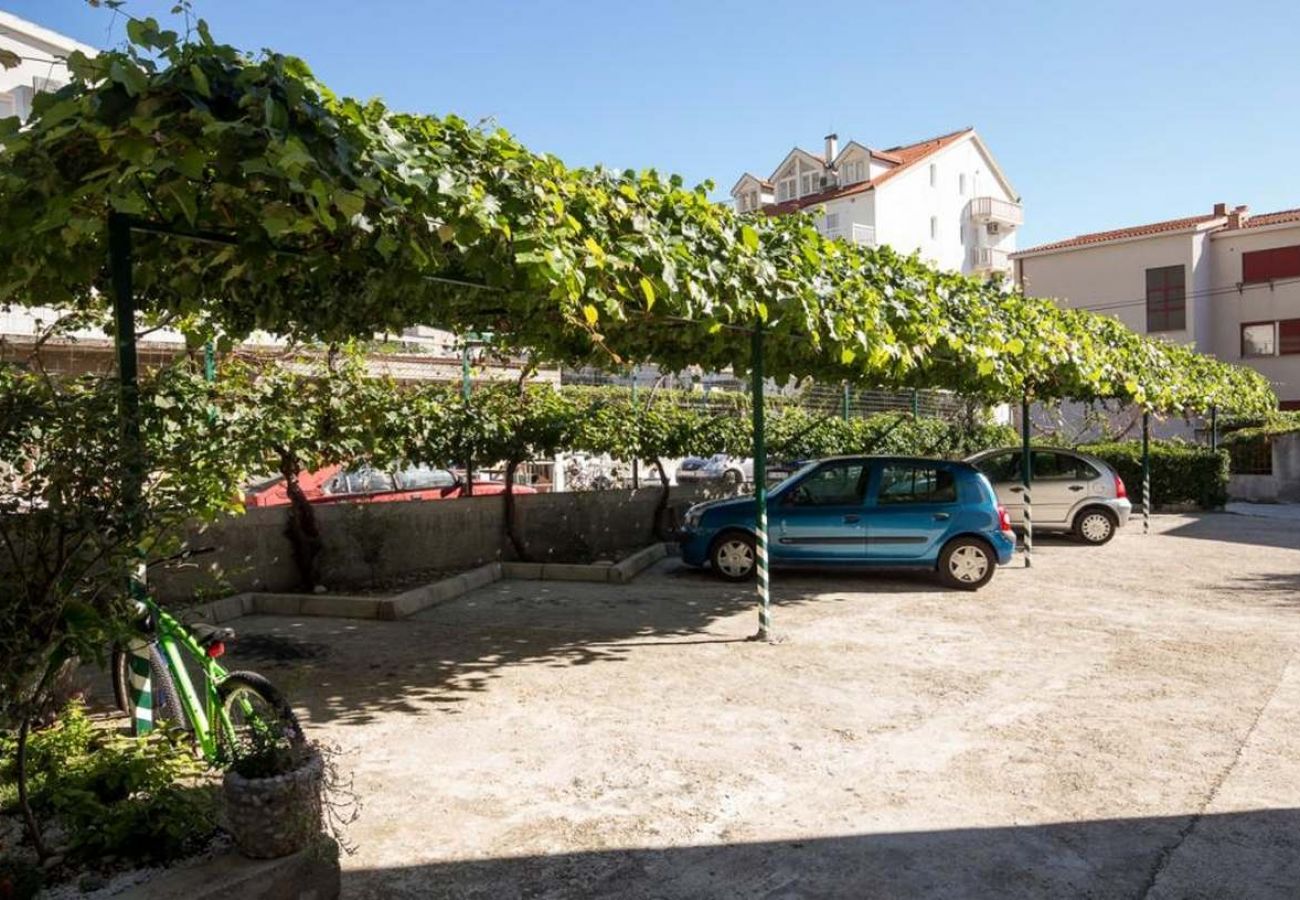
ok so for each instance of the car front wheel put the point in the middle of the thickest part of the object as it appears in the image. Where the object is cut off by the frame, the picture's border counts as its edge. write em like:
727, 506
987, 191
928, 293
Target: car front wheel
1095, 526
733, 556
966, 564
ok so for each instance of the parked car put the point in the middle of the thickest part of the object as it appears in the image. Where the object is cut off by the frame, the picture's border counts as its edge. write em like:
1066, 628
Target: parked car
862, 512
364, 484
1071, 491
718, 467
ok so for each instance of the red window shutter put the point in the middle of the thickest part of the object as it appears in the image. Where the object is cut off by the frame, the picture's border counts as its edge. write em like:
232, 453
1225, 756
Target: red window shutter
1271, 265
1288, 336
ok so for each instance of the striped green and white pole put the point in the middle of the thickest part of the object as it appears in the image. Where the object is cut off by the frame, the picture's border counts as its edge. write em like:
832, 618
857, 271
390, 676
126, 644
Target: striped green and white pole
1146, 472
141, 685
119, 260
760, 492
1026, 477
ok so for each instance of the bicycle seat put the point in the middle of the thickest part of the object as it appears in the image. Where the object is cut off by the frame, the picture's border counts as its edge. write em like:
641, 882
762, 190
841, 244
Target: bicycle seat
207, 635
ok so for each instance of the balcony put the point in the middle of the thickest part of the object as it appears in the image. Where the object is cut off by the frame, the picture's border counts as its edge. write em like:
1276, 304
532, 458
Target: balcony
986, 210
862, 235
989, 259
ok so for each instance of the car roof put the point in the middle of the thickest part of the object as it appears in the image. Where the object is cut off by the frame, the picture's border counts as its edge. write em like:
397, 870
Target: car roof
1069, 451
892, 457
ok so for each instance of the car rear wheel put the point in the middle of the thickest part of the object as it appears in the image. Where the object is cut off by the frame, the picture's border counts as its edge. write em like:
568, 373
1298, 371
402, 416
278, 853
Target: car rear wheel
1095, 526
732, 556
966, 564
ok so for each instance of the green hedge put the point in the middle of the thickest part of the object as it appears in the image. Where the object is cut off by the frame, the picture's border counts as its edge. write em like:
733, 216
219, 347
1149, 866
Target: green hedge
1180, 472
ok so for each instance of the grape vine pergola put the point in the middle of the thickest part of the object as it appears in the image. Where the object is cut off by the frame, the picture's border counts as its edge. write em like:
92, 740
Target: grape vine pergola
225, 193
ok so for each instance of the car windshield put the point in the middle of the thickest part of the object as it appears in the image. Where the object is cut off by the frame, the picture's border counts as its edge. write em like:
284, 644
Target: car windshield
415, 478
794, 476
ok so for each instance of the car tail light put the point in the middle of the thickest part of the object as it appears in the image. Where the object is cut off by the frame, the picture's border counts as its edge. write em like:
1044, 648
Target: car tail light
1004, 518
1120, 491
216, 648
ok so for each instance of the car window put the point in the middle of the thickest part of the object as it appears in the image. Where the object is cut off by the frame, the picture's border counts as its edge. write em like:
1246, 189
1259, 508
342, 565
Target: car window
1049, 466
1000, 467
420, 478
908, 483
369, 481
832, 484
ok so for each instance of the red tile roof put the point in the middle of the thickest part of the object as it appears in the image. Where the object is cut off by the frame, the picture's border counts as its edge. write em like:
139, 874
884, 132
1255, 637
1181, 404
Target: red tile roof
1100, 237
1167, 227
1273, 218
905, 156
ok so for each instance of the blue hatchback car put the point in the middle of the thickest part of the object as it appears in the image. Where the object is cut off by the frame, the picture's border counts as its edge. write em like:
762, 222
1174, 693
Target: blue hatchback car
862, 511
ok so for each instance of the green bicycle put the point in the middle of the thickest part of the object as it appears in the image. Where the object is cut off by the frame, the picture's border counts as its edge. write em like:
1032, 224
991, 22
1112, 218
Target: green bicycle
231, 703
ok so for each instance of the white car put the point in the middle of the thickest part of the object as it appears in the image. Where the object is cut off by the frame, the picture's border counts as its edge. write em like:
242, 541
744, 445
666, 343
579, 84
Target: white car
718, 467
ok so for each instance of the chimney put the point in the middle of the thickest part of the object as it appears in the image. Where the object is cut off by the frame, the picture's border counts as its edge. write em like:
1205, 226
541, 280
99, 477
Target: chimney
1237, 218
1220, 210
832, 148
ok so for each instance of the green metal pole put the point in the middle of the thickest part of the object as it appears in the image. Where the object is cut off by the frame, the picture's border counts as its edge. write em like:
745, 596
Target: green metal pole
465, 395
1026, 477
760, 491
1214, 428
846, 401
916, 404
209, 362
132, 450
636, 463
1146, 472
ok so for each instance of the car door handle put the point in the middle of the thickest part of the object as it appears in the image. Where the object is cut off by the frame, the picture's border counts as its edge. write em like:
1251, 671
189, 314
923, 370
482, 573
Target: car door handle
850, 519
1018, 489
1076, 487
942, 517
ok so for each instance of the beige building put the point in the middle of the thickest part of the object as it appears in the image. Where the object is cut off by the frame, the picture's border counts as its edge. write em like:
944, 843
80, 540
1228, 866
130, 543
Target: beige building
1226, 282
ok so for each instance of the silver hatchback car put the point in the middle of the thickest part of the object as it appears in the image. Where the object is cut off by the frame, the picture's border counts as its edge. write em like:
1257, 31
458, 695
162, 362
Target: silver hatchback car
1072, 491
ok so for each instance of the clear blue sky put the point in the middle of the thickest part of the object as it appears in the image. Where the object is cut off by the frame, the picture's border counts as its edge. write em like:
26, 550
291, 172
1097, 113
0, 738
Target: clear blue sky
1102, 114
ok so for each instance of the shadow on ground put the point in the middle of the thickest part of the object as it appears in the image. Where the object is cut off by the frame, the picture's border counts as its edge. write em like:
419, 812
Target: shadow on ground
1235, 529
1247, 854
352, 672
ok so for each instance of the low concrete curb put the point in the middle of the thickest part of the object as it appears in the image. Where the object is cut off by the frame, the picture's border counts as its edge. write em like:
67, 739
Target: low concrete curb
612, 573
399, 606
311, 874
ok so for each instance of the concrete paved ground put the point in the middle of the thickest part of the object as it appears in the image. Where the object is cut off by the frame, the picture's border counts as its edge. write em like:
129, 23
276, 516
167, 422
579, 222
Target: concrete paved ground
1121, 721
1266, 510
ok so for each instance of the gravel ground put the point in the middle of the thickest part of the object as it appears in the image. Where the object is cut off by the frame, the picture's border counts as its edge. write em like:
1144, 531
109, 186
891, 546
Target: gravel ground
1121, 721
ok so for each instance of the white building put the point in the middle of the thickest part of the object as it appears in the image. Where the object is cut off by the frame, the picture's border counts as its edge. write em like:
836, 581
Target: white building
1226, 282
945, 197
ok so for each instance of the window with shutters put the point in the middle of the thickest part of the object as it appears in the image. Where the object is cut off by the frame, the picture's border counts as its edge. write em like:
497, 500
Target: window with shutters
1166, 299
1288, 337
1270, 265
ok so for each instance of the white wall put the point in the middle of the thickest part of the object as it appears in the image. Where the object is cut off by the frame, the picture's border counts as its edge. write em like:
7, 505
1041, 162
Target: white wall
905, 203
1255, 303
42, 50
1110, 278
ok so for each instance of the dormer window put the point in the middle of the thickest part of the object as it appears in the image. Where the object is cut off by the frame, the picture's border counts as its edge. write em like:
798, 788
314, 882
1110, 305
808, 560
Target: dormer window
853, 172
809, 183
785, 188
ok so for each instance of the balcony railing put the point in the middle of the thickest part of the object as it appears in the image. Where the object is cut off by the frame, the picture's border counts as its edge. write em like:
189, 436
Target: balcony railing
862, 235
992, 209
989, 259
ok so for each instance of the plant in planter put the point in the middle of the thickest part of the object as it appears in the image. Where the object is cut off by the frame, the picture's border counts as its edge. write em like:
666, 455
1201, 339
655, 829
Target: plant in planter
272, 793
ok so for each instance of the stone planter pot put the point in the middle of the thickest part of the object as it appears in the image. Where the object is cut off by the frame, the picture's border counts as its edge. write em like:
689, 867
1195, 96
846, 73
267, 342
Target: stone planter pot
273, 817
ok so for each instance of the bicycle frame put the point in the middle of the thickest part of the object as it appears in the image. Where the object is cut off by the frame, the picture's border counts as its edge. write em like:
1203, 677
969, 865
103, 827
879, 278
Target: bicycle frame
205, 714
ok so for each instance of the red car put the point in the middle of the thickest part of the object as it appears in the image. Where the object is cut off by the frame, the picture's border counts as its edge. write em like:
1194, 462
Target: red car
334, 484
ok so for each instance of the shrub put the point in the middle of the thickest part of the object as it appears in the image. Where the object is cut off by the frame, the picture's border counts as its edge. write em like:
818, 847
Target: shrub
1180, 472
140, 799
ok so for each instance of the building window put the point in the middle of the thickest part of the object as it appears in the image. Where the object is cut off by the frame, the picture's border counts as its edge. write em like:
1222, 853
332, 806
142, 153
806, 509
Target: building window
1270, 265
961, 184
1166, 306
809, 183
1288, 337
852, 173
934, 227
785, 188
832, 223
934, 175
1258, 339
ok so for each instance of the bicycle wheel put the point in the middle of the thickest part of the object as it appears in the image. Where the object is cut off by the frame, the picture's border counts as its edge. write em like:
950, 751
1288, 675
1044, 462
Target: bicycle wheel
247, 699
166, 701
